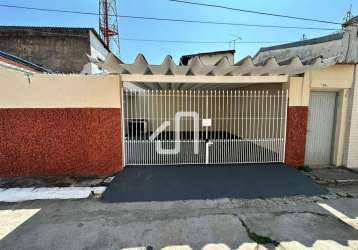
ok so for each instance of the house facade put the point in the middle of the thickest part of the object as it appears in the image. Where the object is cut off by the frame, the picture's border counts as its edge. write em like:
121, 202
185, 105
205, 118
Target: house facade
331, 133
270, 108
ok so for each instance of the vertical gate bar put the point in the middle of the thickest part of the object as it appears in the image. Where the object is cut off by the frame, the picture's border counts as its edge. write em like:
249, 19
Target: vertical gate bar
187, 107
148, 119
229, 119
170, 139
240, 124
157, 116
175, 110
259, 125
192, 98
245, 93
215, 127
258, 118
142, 121
142, 100
281, 124
212, 122
201, 115
221, 115
265, 135
249, 124
263, 120
199, 108
258, 141
278, 124
153, 125
161, 99
253, 155
206, 112
269, 124
140, 114
285, 127
174, 156
263, 125
133, 114
186, 110
125, 126
182, 123
174, 107
235, 152
134, 127
224, 155
274, 126
169, 135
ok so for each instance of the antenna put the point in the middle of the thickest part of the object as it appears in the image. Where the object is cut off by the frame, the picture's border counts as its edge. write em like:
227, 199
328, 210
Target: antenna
234, 41
108, 23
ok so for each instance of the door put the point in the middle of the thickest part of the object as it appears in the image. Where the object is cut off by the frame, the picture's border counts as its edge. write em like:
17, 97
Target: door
169, 127
321, 119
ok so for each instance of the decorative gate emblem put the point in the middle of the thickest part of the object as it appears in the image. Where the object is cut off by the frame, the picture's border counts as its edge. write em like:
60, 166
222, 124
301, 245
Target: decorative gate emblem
178, 116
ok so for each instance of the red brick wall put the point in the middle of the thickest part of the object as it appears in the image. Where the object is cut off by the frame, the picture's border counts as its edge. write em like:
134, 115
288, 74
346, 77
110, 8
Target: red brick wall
296, 135
60, 142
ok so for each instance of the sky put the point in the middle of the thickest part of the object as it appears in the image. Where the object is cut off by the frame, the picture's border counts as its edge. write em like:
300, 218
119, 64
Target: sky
330, 10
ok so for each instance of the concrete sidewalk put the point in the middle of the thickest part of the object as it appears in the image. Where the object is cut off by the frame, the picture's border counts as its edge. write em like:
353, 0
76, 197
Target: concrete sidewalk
291, 223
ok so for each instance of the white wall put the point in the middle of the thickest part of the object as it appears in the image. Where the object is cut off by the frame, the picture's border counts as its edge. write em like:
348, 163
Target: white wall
213, 59
97, 51
350, 158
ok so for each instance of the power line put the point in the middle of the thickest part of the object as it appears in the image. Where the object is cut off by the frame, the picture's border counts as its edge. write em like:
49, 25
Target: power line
153, 40
203, 42
255, 12
170, 19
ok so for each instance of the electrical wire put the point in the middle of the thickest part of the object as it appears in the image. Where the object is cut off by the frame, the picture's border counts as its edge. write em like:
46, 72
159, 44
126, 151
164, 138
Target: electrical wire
147, 40
254, 12
171, 19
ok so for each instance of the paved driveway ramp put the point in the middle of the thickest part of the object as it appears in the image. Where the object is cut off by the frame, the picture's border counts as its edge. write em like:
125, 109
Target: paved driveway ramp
201, 182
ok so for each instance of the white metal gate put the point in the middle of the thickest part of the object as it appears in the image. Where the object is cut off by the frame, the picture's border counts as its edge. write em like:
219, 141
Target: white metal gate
207, 127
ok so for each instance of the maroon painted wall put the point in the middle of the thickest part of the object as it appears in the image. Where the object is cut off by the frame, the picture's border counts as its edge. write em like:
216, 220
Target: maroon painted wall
60, 142
296, 135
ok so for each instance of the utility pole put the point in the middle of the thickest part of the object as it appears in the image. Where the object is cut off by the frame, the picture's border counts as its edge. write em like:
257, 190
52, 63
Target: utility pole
303, 37
108, 23
348, 15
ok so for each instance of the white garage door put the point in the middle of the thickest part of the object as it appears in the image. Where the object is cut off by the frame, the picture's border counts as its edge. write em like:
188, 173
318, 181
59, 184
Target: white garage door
321, 118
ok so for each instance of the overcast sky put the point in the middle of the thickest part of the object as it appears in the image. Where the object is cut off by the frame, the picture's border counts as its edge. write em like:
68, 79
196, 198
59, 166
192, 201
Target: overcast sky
329, 10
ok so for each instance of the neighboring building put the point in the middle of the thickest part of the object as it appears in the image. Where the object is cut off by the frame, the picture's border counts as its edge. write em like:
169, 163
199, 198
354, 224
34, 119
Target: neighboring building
326, 103
209, 58
60, 49
16, 63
